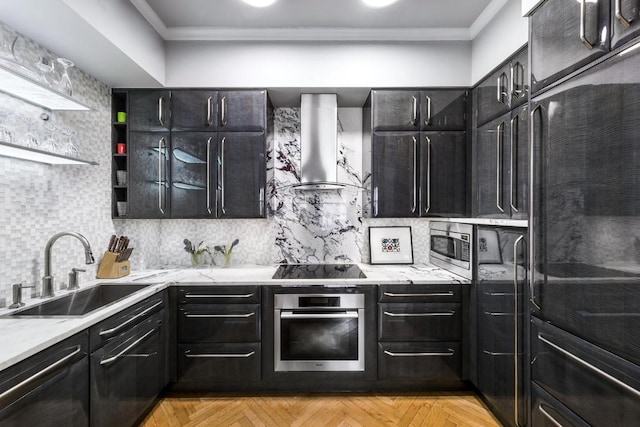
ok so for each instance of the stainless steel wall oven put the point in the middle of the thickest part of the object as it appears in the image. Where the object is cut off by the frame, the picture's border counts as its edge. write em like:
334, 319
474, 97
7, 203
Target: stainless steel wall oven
319, 332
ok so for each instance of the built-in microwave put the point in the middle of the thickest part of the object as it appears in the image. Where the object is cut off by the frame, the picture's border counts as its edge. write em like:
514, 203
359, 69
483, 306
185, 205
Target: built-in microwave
451, 247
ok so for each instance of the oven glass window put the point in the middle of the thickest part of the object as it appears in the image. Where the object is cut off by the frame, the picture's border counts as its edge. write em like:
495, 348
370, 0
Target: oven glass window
319, 339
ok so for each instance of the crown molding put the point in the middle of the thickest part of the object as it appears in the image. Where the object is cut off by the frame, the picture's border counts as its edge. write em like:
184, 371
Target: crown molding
318, 33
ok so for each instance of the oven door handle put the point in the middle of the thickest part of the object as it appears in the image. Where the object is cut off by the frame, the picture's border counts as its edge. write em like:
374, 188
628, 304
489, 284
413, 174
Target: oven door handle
341, 315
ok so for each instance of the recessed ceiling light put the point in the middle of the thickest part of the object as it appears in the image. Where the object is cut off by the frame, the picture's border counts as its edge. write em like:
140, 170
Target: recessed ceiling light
261, 3
377, 3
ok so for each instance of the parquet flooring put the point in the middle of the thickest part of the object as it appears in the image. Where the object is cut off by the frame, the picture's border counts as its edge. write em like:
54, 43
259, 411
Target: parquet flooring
311, 410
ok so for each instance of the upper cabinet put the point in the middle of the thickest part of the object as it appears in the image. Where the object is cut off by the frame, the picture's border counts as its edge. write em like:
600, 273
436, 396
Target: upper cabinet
149, 110
567, 35
504, 89
194, 110
625, 21
433, 109
242, 110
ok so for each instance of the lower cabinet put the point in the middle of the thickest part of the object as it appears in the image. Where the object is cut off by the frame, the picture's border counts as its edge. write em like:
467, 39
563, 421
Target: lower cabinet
49, 388
216, 363
438, 362
546, 411
128, 371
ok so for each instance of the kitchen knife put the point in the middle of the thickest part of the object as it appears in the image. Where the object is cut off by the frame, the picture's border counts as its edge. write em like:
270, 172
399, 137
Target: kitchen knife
112, 243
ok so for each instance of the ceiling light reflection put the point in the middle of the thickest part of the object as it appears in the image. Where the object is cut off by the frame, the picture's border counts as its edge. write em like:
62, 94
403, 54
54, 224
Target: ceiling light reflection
260, 3
378, 3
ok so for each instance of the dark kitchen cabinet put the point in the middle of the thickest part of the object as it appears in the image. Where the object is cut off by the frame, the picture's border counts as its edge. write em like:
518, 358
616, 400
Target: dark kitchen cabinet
395, 167
599, 387
420, 334
547, 411
443, 173
502, 322
49, 388
218, 337
129, 370
429, 109
504, 89
242, 110
625, 21
149, 177
194, 110
149, 110
501, 167
194, 174
566, 35
242, 175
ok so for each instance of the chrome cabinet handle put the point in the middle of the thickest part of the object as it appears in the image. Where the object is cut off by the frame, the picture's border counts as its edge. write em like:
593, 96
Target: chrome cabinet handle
548, 416
427, 120
583, 24
218, 296
209, 175
161, 143
161, 110
426, 354
415, 175
589, 366
427, 207
219, 355
493, 353
414, 110
341, 315
513, 166
517, 80
502, 95
261, 201
220, 316
223, 111
626, 23
499, 141
40, 374
532, 269
432, 314
516, 344
209, 108
113, 359
375, 201
432, 294
222, 206
131, 320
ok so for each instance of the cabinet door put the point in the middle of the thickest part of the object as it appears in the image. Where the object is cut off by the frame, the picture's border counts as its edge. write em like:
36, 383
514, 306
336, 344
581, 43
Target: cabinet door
221, 323
395, 169
492, 158
194, 110
517, 184
546, 411
443, 173
193, 174
436, 362
149, 110
492, 95
519, 78
625, 21
395, 110
565, 35
149, 175
228, 363
241, 175
242, 110
48, 389
443, 109
419, 322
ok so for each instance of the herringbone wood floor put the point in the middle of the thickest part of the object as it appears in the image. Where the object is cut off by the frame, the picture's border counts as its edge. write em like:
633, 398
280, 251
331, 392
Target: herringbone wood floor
340, 410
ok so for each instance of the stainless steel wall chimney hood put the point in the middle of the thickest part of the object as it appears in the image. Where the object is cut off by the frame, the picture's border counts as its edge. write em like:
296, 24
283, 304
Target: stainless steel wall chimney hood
319, 142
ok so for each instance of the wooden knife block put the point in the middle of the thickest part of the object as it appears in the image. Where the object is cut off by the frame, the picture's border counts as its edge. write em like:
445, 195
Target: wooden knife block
110, 269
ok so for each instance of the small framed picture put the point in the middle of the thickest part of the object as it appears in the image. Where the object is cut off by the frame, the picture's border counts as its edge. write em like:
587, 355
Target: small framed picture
390, 245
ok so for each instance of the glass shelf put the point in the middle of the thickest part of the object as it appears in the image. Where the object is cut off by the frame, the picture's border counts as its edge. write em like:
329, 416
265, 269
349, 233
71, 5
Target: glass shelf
20, 152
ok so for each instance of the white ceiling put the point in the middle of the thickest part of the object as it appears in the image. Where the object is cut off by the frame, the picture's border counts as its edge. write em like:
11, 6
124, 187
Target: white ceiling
318, 19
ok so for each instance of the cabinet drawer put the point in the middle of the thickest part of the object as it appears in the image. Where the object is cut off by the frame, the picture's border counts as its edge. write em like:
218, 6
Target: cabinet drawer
438, 362
218, 363
419, 293
219, 323
601, 388
219, 295
105, 331
419, 322
549, 412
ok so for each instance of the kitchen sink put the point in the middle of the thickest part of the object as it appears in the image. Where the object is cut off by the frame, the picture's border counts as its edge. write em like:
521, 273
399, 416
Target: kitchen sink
81, 302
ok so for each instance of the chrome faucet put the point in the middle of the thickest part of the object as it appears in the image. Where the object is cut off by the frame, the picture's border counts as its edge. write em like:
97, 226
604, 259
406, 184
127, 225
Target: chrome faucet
47, 280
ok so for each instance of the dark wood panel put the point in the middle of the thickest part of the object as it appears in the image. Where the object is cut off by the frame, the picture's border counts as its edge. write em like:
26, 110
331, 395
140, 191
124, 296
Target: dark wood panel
149, 110
201, 364
443, 109
194, 110
395, 110
219, 294
625, 21
242, 110
419, 322
218, 323
149, 175
420, 362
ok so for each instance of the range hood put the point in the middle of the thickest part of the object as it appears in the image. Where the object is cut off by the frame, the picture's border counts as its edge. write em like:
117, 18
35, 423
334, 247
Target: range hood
319, 142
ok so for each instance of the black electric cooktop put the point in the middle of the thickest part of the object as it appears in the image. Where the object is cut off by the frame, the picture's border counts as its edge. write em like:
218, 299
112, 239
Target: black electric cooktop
319, 271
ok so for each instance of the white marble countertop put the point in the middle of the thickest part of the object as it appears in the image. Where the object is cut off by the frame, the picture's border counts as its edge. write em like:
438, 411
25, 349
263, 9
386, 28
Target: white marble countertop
23, 337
